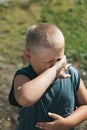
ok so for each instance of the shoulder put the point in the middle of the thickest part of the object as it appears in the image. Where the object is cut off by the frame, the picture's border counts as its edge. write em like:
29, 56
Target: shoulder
75, 76
73, 72
23, 70
27, 71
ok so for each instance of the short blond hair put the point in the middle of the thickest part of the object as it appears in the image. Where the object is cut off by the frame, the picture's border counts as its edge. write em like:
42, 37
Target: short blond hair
44, 35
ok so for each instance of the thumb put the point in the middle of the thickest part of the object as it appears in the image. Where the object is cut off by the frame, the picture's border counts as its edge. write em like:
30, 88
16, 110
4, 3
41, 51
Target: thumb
54, 116
62, 74
66, 76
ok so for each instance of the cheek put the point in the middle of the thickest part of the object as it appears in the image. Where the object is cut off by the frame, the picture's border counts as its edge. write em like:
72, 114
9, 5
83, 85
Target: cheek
45, 66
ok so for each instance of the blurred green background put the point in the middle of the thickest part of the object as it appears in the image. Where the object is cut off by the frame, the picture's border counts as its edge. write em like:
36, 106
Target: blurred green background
15, 18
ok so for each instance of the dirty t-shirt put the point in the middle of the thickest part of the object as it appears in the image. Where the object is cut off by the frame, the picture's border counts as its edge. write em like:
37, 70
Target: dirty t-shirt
60, 98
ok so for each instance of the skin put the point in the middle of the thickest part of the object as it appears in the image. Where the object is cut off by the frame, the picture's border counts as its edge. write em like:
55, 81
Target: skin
67, 123
71, 121
74, 119
48, 64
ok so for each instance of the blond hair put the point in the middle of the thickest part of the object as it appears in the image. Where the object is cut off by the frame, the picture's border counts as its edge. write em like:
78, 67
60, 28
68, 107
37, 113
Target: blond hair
44, 35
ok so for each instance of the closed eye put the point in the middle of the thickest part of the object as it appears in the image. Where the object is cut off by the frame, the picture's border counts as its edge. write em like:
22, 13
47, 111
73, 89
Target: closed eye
58, 59
53, 61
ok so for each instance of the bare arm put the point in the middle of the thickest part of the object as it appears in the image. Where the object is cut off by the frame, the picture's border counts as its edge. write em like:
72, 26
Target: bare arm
27, 91
81, 112
61, 123
74, 119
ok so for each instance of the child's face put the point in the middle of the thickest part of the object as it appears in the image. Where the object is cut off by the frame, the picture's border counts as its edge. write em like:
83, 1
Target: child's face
45, 59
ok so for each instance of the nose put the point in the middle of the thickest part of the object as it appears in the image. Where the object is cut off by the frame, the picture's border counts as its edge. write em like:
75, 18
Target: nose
52, 63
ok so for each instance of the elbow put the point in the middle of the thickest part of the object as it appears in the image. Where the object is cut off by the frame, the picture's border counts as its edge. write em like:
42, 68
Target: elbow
28, 98
24, 100
27, 103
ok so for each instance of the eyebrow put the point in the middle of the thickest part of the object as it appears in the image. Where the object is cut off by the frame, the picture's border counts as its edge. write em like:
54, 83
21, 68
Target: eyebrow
58, 59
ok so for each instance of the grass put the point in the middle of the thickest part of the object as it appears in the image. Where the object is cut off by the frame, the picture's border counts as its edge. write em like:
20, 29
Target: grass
15, 18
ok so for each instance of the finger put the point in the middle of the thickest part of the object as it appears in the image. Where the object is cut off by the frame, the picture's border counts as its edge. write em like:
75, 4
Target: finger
40, 126
54, 116
66, 76
64, 60
60, 64
66, 66
62, 73
43, 125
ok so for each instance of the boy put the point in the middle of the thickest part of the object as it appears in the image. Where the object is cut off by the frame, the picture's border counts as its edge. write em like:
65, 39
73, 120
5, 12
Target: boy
38, 89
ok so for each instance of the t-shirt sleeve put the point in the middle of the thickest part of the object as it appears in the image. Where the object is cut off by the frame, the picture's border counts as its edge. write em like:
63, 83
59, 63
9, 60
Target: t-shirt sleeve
11, 96
75, 77
27, 71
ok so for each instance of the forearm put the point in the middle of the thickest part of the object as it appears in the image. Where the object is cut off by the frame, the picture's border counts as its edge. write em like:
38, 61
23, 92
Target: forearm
28, 92
78, 116
34, 89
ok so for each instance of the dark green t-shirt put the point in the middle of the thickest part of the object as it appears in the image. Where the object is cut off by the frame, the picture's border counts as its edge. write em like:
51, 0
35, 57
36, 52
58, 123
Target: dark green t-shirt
60, 98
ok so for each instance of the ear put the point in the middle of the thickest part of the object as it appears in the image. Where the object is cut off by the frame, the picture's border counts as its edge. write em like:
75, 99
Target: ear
27, 55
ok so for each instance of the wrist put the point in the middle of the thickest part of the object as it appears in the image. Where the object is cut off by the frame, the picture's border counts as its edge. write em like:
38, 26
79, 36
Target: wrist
54, 69
71, 123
